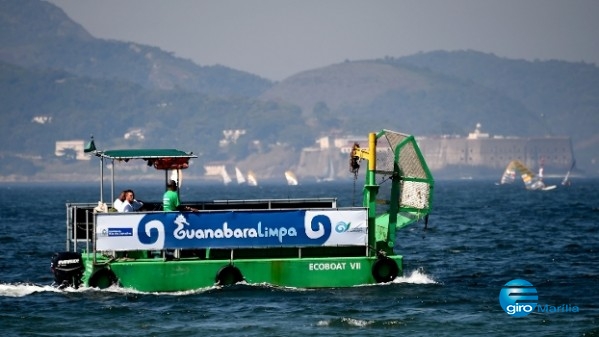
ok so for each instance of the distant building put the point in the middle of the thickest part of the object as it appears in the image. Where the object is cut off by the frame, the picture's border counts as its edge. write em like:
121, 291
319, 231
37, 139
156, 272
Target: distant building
231, 137
71, 147
214, 169
479, 155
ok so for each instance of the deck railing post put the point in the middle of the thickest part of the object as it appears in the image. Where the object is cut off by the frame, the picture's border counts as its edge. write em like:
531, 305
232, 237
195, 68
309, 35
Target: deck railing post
68, 220
74, 238
87, 231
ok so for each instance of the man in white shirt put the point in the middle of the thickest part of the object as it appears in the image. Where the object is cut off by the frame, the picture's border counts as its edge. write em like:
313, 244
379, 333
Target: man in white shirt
129, 204
118, 203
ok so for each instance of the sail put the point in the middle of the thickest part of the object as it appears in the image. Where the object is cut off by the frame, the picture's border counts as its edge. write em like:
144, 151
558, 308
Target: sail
226, 179
252, 181
291, 178
177, 176
330, 172
531, 181
566, 181
239, 176
509, 176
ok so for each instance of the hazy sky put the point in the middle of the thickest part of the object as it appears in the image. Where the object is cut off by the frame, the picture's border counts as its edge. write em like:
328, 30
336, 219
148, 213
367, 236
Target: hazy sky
278, 38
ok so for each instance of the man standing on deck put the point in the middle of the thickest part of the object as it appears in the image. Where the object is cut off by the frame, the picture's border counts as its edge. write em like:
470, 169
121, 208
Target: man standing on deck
170, 199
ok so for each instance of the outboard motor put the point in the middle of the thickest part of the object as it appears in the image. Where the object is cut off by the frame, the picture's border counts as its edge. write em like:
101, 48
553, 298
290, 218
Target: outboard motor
68, 269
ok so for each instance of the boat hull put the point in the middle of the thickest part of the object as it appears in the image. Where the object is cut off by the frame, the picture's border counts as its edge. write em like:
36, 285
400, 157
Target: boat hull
158, 275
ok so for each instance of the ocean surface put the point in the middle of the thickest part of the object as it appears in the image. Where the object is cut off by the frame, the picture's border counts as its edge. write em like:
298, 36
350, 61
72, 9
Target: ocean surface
479, 237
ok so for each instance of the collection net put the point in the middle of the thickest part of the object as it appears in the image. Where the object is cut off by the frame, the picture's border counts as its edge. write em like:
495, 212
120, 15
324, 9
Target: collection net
415, 183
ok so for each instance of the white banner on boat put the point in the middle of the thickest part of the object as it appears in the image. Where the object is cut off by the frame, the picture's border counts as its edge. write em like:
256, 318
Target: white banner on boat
231, 229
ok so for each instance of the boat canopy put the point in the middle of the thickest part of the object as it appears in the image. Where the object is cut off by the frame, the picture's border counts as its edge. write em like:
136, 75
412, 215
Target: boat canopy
145, 154
161, 159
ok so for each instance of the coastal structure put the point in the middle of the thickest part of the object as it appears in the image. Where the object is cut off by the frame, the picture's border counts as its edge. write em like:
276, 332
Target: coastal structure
479, 155
73, 148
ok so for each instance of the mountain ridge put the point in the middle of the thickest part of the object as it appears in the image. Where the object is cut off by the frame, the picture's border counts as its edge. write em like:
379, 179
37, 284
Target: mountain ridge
51, 66
39, 34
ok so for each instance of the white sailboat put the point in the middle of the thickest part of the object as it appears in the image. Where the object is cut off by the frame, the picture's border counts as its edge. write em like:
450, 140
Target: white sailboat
226, 179
330, 172
566, 181
252, 181
291, 178
239, 176
177, 176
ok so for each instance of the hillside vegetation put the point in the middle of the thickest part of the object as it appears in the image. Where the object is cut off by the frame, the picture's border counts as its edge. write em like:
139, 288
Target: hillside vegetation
58, 82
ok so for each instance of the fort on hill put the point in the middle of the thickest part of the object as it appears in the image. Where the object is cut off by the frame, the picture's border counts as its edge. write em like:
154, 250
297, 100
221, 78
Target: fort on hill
479, 155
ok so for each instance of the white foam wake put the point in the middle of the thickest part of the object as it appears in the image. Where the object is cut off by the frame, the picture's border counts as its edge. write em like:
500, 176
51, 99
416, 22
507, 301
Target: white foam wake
416, 277
23, 289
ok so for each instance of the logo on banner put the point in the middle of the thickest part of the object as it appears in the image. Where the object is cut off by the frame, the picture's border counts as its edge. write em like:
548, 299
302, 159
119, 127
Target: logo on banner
319, 226
342, 226
112, 232
150, 229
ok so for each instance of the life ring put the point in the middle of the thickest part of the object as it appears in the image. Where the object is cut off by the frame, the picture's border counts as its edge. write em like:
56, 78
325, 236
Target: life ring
228, 275
102, 279
384, 270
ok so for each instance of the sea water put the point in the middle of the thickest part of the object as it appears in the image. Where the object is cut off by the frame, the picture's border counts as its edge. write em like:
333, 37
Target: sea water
479, 237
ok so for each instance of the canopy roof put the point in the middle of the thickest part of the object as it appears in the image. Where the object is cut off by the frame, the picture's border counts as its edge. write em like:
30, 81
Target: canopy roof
144, 154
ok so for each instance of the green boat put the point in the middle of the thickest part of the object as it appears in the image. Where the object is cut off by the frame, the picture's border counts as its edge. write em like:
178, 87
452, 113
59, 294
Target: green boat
304, 243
